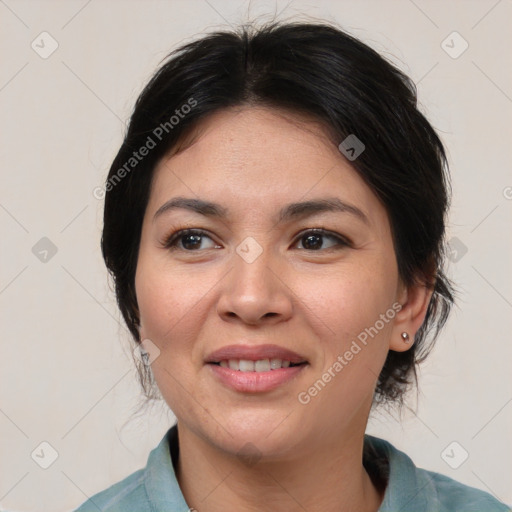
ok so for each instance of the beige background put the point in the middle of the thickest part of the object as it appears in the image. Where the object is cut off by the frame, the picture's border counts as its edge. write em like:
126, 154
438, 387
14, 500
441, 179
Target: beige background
66, 371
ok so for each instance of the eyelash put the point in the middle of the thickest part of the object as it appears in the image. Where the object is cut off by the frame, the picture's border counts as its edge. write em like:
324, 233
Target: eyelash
171, 240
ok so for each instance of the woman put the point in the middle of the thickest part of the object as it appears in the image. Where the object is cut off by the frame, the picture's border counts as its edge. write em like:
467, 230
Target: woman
274, 223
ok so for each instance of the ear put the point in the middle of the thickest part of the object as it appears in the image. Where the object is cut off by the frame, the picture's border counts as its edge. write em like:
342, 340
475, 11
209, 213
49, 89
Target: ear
414, 300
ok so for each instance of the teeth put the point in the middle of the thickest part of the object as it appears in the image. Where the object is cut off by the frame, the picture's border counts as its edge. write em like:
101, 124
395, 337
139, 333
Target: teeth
275, 364
246, 366
262, 365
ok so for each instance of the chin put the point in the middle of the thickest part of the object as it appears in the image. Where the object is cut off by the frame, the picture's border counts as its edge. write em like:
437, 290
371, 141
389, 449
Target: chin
256, 435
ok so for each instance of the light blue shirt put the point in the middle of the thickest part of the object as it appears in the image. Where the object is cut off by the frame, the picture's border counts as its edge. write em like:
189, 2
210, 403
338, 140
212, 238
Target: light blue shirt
409, 489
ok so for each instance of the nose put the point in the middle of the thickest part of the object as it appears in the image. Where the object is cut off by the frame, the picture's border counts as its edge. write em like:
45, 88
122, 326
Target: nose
255, 293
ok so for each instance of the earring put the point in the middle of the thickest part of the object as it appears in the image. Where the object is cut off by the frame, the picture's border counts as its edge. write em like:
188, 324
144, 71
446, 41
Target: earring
405, 337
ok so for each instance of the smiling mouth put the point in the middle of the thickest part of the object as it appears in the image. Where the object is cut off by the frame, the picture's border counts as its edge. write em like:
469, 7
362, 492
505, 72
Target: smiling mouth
255, 369
260, 365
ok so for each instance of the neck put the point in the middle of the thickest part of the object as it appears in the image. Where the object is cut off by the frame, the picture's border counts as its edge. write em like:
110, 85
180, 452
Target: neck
330, 477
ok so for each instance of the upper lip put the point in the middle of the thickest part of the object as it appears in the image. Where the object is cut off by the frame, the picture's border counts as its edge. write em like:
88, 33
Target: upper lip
254, 353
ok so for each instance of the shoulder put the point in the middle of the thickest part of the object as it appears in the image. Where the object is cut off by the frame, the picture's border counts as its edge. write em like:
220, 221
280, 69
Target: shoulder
454, 496
412, 488
128, 494
151, 489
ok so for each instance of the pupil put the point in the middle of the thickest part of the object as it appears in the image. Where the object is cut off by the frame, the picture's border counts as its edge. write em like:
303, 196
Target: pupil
312, 245
192, 239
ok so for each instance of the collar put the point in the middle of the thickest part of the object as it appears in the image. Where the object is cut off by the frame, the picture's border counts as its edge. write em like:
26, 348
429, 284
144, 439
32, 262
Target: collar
403, 488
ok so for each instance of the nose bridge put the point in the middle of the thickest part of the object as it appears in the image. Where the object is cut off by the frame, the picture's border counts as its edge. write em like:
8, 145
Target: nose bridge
252, 264
255, 290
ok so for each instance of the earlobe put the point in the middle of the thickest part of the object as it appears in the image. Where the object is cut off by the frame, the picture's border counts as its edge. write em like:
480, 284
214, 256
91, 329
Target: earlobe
415, 300
405, 337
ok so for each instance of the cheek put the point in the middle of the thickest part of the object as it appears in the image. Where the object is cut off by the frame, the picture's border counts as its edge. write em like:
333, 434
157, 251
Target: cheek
164, 302
174, 304
171, 317
356, 312
350, 299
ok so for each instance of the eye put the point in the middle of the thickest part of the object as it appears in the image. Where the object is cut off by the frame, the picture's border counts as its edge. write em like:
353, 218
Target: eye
312, 240
189, 240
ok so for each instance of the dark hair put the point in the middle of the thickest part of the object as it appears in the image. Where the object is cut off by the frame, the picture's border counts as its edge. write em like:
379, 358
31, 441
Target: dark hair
315, 70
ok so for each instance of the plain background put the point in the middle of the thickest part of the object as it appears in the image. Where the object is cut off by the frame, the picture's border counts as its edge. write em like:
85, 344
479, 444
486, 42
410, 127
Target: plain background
67, 376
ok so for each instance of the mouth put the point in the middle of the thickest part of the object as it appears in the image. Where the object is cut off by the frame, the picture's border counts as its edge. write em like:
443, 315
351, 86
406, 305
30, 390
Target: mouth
260, 365
255, 369
267, 357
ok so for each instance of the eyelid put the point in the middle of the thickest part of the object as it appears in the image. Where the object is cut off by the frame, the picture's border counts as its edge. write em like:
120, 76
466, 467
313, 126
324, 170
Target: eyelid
170, 240
342, 240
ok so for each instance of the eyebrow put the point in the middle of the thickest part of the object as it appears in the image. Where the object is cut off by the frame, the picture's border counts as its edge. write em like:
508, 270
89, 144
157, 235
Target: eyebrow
287, 213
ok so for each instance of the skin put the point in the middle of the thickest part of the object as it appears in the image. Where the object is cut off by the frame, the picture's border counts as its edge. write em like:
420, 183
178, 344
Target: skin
315, 301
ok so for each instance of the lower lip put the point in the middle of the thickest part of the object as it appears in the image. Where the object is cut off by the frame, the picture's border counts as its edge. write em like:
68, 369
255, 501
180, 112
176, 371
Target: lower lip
255, 382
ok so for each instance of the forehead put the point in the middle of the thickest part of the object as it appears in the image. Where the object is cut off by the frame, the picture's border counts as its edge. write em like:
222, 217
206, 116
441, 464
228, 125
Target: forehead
246, 123
255, 158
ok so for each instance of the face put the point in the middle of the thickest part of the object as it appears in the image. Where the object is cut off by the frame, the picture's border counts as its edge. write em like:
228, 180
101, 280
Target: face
258, 285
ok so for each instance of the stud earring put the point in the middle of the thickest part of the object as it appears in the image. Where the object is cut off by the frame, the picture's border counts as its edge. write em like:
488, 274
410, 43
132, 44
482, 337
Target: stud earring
405, 337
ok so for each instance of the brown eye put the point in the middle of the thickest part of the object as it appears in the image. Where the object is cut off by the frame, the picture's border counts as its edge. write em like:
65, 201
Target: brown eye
189, 240
313, 240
